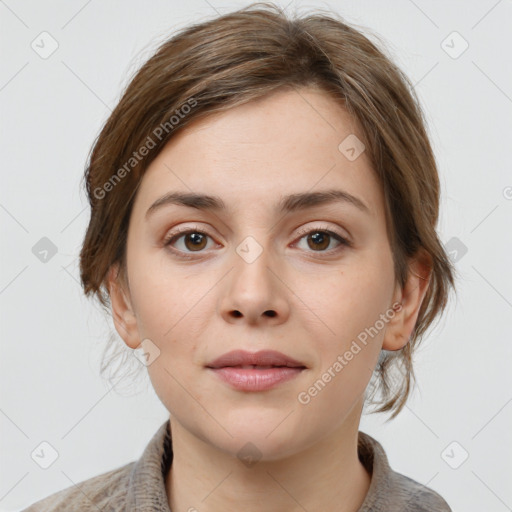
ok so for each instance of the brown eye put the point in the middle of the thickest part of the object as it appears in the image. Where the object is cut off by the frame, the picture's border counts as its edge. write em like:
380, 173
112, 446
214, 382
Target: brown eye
319, 239
194, 240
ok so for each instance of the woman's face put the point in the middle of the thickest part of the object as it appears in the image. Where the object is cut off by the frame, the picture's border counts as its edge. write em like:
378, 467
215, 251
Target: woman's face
254, 276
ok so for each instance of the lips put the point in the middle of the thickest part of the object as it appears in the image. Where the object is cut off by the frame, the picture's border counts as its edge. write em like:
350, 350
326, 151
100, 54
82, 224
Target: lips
255, 371
264, 359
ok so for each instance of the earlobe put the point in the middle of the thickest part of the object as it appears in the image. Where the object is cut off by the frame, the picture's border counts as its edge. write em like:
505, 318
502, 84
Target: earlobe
400, 328
123, 314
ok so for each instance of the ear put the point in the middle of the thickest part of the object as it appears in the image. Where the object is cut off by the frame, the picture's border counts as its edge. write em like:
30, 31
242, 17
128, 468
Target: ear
400, 328
123, 313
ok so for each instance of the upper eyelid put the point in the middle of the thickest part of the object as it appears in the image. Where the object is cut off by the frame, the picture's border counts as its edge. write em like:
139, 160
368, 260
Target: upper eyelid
188, 229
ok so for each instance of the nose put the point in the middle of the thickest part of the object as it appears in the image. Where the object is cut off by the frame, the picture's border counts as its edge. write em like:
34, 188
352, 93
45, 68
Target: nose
254, 291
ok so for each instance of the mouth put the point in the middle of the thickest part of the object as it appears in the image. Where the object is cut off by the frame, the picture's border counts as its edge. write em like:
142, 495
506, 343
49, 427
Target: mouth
262, 360
255, 366
256, 378
259, 371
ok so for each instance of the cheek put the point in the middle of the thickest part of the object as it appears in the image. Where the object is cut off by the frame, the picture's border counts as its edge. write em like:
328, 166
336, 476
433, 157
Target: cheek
347, 302
171, 312
163, 300
350, 335
347, 355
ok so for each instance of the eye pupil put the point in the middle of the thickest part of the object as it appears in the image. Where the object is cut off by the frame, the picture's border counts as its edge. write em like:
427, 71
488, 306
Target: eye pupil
196, 239
318, 237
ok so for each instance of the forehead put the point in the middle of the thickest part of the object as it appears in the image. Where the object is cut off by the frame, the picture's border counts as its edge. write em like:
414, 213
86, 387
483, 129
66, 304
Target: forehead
292, 141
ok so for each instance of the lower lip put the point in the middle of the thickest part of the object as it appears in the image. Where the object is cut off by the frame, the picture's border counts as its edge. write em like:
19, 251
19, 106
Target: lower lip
252, 379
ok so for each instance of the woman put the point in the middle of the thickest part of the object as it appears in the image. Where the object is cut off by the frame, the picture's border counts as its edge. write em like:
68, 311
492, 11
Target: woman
264, 201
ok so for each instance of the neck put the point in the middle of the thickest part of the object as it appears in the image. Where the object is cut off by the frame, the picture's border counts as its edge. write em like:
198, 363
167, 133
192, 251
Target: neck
325, 476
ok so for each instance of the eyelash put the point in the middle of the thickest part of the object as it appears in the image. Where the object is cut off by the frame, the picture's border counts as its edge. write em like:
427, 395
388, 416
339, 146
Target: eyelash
179, 232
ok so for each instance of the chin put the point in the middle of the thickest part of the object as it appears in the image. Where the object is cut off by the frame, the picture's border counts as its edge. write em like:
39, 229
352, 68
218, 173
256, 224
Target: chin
259, 440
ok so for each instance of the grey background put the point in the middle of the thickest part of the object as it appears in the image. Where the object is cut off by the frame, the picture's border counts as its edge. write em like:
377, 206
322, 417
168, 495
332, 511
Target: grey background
51, 336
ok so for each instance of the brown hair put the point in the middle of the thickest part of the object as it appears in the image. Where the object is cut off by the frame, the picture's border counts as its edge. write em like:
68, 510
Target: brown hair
221, 63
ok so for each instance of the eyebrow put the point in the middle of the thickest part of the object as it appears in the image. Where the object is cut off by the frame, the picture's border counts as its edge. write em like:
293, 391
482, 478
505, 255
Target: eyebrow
287, 204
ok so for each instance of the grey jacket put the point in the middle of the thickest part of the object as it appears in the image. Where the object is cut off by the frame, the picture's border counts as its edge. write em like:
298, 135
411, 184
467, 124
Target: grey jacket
140, 486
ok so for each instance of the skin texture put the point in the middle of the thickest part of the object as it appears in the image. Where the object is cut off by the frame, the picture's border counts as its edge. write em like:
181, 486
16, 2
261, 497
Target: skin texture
322, 295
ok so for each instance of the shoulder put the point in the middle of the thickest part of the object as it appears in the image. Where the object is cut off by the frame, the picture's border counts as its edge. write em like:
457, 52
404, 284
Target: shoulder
418, 497
93, 494
391, 491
